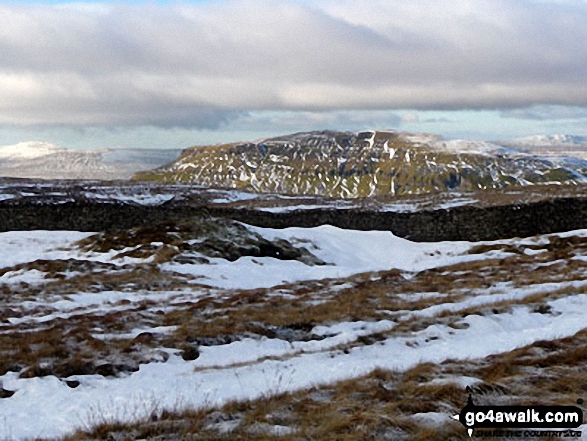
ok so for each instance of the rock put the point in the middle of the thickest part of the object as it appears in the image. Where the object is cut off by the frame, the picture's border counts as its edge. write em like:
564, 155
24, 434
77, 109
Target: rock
111, 369
6, 393
190, 353
144, 337
106, 370
186, 259
543, 309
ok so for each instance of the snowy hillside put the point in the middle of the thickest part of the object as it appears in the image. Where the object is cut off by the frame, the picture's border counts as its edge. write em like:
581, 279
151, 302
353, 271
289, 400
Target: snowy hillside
47, 161
571, 146
549, 140
24, 150
370, 163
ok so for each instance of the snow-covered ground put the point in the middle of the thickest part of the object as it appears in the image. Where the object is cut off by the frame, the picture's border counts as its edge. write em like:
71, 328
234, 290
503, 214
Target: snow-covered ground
346, 253
47, 407
28, 246
254, 367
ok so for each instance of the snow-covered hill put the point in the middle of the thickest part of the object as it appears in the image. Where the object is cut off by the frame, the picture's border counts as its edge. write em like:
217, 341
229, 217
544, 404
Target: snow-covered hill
572, 146
361, 164
47, 161
28, 150
549, 140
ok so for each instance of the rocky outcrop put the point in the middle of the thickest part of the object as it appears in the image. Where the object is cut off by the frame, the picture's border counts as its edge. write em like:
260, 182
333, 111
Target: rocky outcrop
194, 240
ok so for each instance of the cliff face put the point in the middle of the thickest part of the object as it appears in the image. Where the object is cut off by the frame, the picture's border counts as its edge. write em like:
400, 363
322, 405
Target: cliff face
363, 164
459, 223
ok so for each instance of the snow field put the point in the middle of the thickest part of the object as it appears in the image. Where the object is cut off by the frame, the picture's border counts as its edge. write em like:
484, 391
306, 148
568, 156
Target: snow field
252, 368
47, 407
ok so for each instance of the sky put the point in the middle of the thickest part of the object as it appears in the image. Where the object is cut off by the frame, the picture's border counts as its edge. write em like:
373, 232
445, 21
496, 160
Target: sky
172, 74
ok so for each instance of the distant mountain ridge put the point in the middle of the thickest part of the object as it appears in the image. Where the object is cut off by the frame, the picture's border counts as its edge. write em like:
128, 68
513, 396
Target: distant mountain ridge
551, 145
549, 140
361, 164
32, 149
43, 160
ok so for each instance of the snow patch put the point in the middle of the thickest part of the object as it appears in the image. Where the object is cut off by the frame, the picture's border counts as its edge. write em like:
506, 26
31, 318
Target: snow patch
347, 252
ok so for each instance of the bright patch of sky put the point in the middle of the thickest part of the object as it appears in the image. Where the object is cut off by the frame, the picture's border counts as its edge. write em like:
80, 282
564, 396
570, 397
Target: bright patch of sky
475, 125
128, 2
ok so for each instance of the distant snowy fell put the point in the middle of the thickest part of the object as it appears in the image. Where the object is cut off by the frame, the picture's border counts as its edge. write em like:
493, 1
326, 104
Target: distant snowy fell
549, 140
43, 160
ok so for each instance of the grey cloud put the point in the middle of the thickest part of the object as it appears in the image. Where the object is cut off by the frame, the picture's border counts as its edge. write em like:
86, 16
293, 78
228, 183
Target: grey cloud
438, 120
304, 120
204, 65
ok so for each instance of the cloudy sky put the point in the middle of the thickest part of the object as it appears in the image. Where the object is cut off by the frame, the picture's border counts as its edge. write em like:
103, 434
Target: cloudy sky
175, 74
